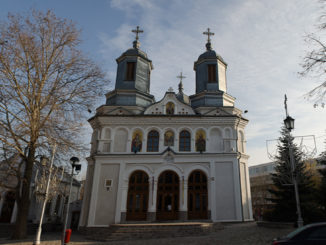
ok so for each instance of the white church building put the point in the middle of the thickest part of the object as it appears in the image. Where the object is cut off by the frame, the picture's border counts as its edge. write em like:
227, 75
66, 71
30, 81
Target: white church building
181, 158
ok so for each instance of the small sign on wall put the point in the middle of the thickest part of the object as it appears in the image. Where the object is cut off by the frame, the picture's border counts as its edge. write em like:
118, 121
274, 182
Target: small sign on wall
108, 184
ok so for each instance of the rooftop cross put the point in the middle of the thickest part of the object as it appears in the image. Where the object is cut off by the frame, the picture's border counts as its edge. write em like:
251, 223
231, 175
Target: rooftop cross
180, 76
209, 34
137, 31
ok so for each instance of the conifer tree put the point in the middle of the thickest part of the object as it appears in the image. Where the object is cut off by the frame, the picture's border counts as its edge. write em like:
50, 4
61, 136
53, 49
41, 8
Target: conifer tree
321, 197
283, 195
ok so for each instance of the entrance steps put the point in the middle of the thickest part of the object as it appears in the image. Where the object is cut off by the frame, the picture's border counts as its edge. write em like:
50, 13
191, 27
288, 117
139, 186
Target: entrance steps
117, 232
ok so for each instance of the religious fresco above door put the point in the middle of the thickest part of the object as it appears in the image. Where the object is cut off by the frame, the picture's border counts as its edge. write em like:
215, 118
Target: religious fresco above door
169, 138
136, 143
200, 141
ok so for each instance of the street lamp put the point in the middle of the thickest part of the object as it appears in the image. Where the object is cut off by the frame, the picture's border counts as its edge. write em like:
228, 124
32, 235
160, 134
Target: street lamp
74, 161
43, 162
289, 124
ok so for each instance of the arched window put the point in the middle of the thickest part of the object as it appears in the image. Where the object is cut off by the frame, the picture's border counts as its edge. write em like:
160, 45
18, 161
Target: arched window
120, 140
184, 141
153, 141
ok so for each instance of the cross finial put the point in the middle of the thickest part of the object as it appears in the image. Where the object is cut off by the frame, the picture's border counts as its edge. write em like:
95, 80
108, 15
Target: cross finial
209, 34
286, 106
137, 31
181, 76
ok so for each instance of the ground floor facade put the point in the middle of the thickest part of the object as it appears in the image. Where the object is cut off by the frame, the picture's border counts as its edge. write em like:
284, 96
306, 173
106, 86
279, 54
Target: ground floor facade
168, 186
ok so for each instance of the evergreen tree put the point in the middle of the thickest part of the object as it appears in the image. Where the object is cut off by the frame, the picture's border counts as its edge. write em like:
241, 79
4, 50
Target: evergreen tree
283, 195
322, 187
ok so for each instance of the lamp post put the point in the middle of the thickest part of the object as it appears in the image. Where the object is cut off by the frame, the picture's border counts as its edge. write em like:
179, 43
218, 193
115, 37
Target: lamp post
289, 124
74, 161
43, 162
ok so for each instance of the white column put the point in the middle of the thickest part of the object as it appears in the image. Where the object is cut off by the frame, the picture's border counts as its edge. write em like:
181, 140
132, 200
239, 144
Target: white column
152, 195
93, 199
212, 190
237, 189
121, 194
183, 194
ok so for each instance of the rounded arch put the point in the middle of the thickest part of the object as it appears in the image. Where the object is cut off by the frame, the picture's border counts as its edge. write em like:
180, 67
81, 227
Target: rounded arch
190, 130
120, 140
106, 133
166, 167
153, 128
216, 140
228, 133
196, 167
147, 169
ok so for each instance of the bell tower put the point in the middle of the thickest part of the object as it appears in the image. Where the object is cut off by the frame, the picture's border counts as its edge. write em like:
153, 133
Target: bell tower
132, 84
211, 84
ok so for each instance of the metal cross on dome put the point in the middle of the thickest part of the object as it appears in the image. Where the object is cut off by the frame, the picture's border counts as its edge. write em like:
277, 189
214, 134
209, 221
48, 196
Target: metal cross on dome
209, 34
137, 31
181, 76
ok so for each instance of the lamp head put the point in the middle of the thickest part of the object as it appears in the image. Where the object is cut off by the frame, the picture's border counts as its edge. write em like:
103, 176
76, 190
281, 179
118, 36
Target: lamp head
289, 123
74, 160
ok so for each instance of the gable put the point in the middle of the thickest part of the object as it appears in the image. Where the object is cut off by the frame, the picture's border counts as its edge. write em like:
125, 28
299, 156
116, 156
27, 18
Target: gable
169, 105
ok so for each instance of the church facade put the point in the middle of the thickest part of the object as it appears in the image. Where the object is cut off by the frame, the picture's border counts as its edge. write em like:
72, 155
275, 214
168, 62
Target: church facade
181, 158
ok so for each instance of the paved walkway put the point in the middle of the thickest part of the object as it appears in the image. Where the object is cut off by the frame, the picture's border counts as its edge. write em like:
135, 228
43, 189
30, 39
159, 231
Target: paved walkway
232, 234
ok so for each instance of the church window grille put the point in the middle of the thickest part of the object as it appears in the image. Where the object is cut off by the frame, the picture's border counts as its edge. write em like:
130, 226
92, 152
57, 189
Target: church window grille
130, 72
184, 141
211, 73
153, 141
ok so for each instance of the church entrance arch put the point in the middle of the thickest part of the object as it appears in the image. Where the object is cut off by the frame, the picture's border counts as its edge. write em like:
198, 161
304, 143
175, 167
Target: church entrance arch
167, 196
138, 190
197, 195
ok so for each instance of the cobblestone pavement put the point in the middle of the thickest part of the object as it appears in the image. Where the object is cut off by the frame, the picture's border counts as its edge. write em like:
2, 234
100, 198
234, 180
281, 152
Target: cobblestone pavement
232, 234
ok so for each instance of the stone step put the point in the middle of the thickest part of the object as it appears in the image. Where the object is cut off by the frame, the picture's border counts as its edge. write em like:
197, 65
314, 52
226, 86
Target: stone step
150, 231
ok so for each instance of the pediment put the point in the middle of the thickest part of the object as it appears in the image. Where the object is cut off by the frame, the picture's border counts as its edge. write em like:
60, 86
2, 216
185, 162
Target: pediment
169, 105
215, 112
120, 111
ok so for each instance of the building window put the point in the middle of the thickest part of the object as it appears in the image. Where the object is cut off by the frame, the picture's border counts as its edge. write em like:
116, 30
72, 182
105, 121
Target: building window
184, 141
152, 141
130, 72
211, 73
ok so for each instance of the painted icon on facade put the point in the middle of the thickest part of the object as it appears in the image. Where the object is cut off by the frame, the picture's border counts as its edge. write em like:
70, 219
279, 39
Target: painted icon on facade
169, 138
170, 108
200, 141
136, 143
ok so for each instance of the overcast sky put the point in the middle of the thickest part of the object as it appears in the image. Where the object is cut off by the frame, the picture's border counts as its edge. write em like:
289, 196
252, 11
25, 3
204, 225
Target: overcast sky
261, 41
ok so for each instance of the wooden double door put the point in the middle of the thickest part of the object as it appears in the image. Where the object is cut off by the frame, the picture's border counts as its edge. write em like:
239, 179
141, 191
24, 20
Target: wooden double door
197, 196
137, 201
167, 203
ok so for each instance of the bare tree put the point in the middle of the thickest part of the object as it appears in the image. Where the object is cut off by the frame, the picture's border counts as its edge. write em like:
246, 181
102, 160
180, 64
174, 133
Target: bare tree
46, 88
314, 62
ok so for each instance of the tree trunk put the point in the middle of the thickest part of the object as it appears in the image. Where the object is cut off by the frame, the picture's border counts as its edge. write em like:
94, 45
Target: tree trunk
23, 200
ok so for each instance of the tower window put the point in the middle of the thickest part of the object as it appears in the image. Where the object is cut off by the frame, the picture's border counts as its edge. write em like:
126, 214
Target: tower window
211, 73
130, 72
